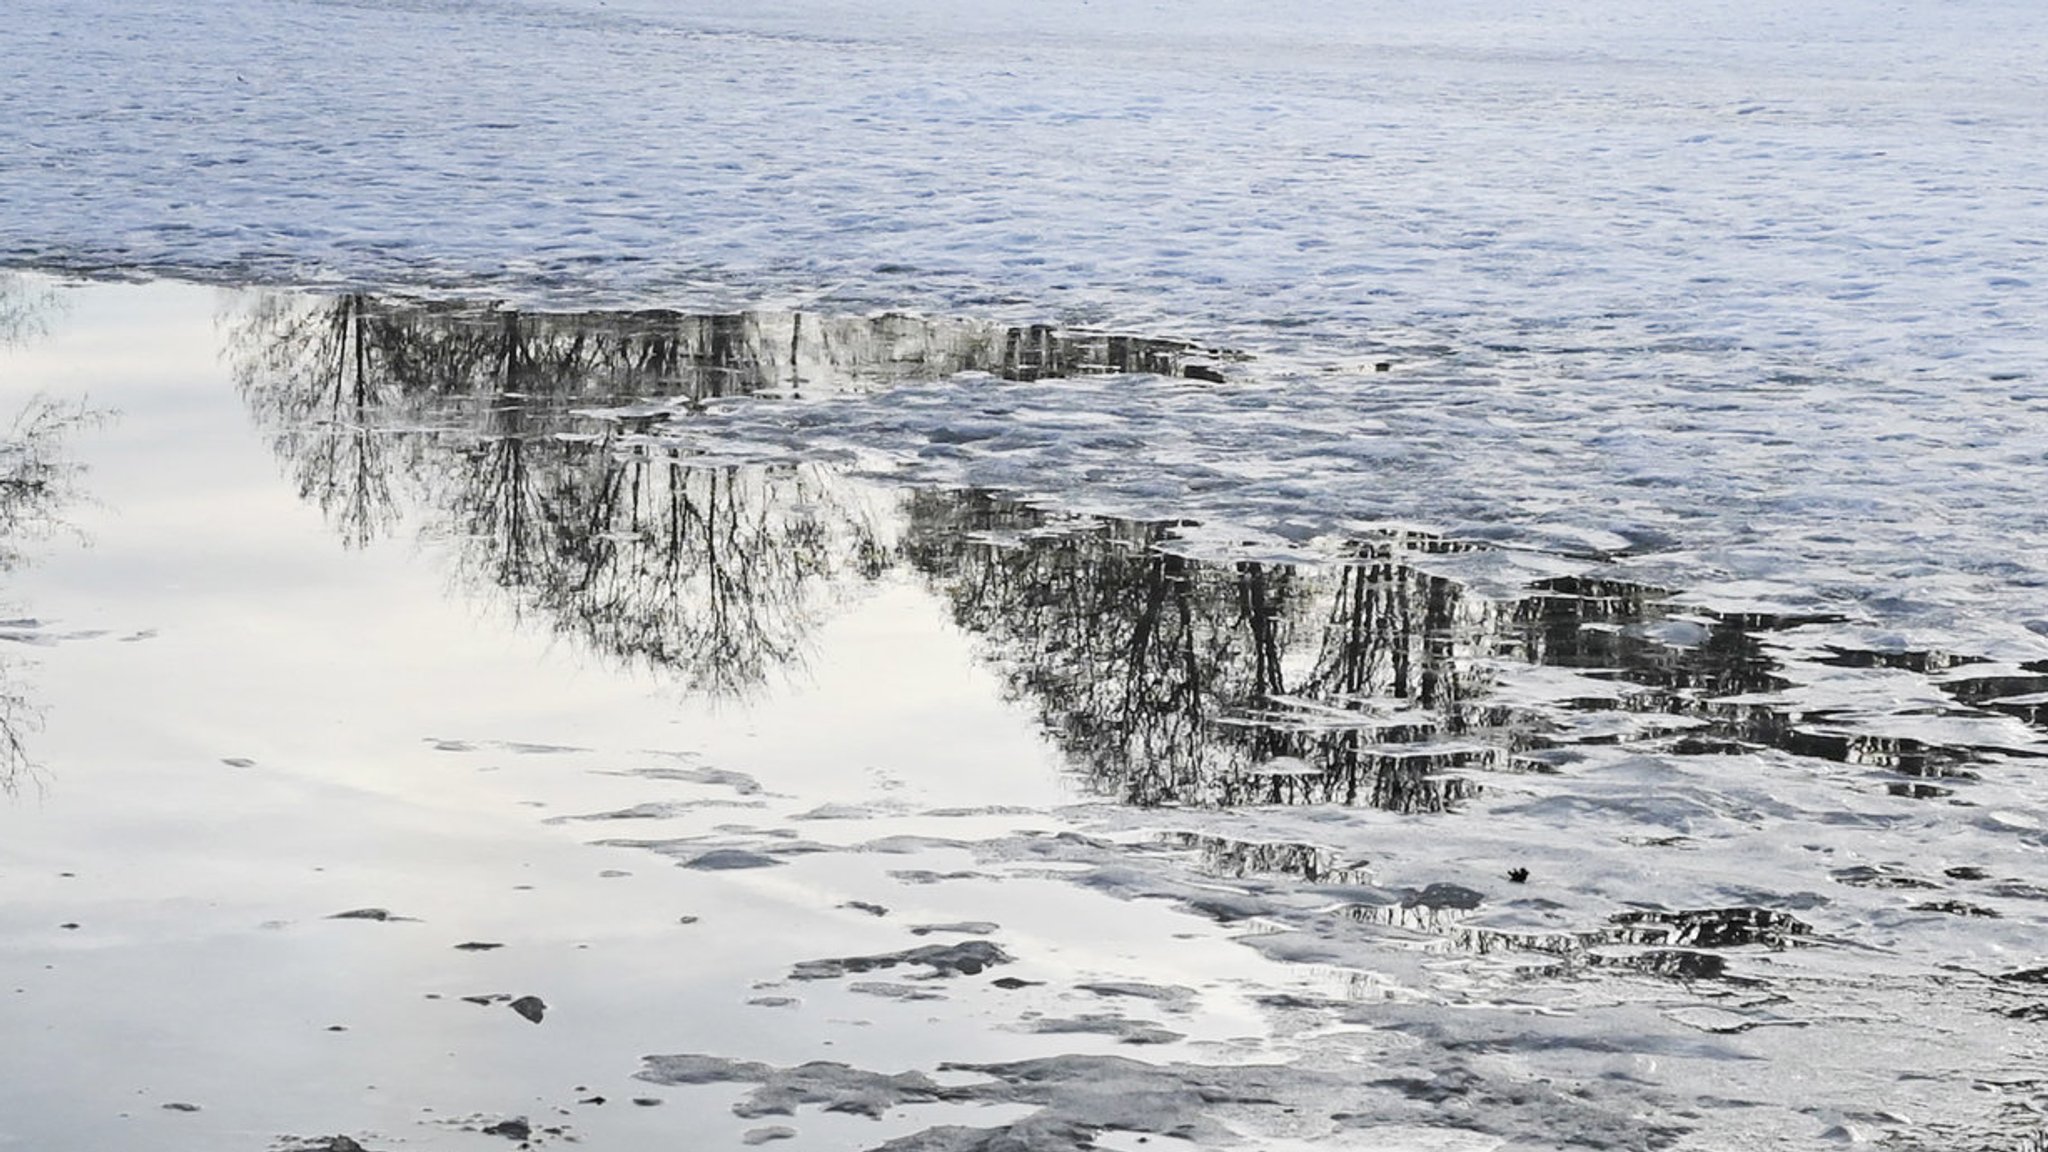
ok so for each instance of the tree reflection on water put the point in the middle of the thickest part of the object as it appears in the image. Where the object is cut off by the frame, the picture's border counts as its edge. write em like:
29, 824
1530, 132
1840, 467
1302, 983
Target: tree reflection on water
38, 479
462, 421
464, 418
25, 308
1364, 681
1166, 679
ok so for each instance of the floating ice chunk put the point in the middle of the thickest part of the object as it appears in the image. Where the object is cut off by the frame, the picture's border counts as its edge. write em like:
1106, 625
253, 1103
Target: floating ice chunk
1675, 632
1285, 766
2015, 821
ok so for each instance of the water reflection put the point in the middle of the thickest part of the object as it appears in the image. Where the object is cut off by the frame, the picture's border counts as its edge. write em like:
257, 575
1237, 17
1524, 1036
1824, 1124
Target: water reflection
1688, 944
25, 308
1365, 680
464, 417
460, 349
1683, 944
1237, 859
462, 422
1178, 681
37, 480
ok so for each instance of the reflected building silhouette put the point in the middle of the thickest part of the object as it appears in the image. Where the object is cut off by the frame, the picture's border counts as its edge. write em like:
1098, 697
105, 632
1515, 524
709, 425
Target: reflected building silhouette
1365, 680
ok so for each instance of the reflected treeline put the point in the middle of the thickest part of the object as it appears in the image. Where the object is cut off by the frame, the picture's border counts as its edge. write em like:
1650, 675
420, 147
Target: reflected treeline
1179, 681
462, 417
1367, 680
461, 423
1686, 944
464, 349
712, 573
1237, 859
1364, 682
1683, 944
37, 480
38, 477
334, 378
25, 308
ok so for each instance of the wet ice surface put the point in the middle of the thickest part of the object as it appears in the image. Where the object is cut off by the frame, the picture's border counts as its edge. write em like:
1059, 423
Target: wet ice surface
855, 815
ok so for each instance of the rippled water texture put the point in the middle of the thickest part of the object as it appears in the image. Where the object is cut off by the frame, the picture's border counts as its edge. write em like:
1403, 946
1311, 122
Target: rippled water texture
1754, 288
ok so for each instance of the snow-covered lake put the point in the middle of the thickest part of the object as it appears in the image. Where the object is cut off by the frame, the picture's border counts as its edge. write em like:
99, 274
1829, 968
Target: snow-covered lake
1272, 471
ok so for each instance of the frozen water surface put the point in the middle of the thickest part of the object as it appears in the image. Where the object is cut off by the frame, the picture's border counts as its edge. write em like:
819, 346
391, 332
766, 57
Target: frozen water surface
389, 664
1444, 579
1755, 289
